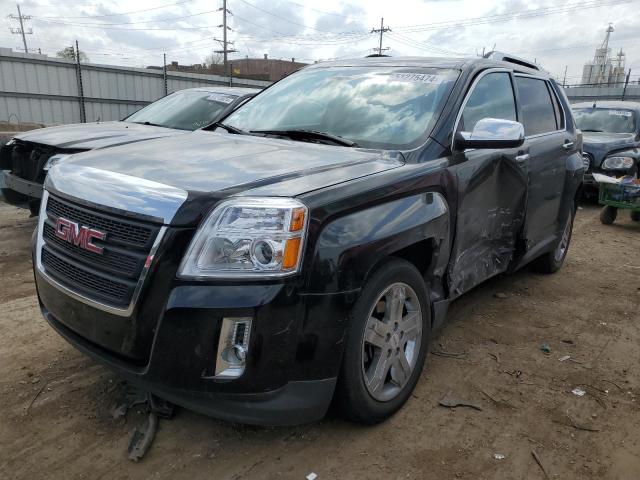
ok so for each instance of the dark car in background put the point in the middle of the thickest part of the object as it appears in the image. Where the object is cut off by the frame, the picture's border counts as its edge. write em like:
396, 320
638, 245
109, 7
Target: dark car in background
308, 246
26, 158
611, 139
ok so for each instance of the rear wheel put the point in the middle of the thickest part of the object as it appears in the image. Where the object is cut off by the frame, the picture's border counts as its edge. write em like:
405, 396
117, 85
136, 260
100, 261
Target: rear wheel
635, 216
551, 262
386, 343
608, 215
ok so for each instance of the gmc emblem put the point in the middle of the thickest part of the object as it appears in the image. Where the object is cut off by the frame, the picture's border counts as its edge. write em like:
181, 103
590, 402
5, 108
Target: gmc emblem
79, 236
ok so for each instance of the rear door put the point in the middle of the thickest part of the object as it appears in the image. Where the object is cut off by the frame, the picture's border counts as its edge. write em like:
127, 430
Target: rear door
492, 187
549, 146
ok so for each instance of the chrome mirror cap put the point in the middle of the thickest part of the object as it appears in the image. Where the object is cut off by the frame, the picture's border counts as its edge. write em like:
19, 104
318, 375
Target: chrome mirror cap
492, 133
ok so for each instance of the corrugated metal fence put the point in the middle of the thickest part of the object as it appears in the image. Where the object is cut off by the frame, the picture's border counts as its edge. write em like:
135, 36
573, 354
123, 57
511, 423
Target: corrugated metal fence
40, 89
585, 94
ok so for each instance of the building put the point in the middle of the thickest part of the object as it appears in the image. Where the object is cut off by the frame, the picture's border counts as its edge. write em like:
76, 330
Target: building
253, 68
265, 68
604, 70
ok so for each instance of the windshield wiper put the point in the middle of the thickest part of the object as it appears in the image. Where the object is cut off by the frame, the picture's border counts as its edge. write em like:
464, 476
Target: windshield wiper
309, 134
591, 130
150, 124
228, 128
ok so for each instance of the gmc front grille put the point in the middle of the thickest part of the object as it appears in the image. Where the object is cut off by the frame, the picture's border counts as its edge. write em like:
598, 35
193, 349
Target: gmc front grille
111, 279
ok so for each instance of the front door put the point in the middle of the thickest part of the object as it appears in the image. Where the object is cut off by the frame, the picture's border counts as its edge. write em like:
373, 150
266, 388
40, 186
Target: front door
492, 189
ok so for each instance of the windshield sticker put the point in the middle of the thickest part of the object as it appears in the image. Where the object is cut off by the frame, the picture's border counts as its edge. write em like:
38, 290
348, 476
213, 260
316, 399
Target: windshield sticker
418, 77
221, 97
620, 113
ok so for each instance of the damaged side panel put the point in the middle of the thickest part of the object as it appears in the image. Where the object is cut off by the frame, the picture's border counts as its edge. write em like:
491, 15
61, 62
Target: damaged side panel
349, 247
492, 193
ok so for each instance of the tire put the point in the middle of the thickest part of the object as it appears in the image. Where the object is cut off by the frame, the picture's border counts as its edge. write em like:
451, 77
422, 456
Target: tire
360, 395
552, 261
14, 198
635, 216
608, 215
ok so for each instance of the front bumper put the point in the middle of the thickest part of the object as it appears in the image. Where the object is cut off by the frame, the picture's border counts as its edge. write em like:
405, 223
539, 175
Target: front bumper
32, 190
292, 364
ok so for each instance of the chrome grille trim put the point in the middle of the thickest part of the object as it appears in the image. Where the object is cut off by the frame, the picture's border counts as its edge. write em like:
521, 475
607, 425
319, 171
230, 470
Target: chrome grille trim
124, 312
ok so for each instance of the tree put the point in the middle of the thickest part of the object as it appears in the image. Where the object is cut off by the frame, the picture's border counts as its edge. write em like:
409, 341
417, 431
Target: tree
213, 59
70, 54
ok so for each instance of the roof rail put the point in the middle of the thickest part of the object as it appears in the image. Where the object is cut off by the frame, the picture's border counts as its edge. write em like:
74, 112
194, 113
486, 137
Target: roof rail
506, 57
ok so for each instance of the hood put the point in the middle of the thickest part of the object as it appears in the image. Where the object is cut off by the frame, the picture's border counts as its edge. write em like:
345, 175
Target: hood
600, 144
206, 166
88, 136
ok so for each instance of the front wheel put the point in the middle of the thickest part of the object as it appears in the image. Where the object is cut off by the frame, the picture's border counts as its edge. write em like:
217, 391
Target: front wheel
386, 343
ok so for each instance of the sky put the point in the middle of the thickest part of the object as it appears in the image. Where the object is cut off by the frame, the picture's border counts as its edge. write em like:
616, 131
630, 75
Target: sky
556, 35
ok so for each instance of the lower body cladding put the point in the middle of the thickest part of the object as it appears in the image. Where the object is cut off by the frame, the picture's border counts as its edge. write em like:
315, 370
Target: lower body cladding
288, 372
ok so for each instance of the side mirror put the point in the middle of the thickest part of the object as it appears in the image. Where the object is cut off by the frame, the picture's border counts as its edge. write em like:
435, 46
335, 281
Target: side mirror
491, 133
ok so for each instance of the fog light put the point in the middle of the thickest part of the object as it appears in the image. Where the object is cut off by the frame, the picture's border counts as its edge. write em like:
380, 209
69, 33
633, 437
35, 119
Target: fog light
233, 347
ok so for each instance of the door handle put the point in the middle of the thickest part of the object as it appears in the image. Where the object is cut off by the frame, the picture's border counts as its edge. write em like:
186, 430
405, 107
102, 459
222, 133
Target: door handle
522, 158
567, 145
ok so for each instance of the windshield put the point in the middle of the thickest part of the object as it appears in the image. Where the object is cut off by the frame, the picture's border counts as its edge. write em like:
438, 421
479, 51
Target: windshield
610, 120
184, 110
374, 107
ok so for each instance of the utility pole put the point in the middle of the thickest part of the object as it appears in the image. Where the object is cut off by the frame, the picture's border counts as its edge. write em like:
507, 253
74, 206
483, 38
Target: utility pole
224, 33
381, 30
225, 43
83, 113
164, 73
21, 30
564, 82
626, 82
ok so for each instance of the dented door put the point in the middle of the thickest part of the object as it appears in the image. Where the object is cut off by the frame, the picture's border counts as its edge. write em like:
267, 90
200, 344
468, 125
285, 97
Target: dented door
492, 188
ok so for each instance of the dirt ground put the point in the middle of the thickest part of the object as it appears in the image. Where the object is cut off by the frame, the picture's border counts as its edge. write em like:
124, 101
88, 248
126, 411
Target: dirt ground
55, 420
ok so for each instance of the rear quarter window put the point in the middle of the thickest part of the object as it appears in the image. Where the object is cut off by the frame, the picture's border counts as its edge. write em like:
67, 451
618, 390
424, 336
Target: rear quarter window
538, 111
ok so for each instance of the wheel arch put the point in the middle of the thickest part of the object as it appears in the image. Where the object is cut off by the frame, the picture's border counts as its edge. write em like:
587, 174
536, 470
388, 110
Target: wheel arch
415, 228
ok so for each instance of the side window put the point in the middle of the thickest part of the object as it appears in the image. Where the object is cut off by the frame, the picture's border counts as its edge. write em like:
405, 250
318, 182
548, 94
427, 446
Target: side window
538, 112
492, 97
557, 108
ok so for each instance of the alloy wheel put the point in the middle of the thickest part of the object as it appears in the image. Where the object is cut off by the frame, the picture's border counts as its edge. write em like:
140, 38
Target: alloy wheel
561, 249
391, 341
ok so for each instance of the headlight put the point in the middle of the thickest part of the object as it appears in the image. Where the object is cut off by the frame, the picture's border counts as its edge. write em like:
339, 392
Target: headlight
248, 237
11, 142
55, 159
617, 163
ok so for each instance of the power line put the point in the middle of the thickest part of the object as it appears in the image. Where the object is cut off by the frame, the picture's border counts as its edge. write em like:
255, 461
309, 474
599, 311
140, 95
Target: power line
123, 13
278, 16
422, 45
321, 11
172, 19
510, 16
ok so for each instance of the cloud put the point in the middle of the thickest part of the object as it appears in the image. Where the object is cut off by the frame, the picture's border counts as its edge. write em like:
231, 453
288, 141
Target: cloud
315, 29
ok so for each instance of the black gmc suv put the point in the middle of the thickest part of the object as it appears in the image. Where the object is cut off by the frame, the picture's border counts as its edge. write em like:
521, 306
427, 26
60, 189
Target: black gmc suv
306, 249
